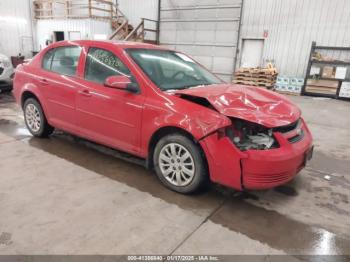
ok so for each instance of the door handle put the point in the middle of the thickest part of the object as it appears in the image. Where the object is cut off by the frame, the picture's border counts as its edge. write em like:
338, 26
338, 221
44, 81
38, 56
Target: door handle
85, 92
43, 81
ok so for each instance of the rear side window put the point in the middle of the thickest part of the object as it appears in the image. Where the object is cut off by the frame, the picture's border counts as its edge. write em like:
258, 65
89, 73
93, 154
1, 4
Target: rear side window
101, 64
47, 60
62, 60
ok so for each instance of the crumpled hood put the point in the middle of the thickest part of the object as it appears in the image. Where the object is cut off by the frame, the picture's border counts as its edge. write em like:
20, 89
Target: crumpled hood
253, 104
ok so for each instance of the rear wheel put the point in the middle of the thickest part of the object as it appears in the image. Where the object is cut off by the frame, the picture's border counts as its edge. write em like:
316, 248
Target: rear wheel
35, 119
179, 164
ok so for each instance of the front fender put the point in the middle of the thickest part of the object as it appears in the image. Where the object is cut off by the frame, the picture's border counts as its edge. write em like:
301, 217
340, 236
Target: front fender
194, 119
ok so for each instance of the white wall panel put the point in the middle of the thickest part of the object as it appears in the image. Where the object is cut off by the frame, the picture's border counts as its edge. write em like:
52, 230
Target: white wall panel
292, 26
137, 9
16, 35
205, 29
88, 28
134, 10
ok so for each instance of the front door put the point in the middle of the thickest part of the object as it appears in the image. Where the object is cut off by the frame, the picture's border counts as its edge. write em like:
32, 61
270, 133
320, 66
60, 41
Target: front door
106, 115
252, 51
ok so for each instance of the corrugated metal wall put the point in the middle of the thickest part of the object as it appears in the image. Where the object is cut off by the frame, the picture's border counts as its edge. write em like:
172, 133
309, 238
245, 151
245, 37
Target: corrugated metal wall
292, 26
205, 29
16, 34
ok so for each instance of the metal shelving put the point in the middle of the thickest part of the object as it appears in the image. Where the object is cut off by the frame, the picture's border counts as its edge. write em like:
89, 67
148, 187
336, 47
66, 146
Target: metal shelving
335, 63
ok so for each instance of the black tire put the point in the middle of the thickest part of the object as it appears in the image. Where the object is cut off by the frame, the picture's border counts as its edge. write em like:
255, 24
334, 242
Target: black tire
44, 129
200, 178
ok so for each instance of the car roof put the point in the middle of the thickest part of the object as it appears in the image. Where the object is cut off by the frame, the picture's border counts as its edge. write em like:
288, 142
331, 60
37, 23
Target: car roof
113, 43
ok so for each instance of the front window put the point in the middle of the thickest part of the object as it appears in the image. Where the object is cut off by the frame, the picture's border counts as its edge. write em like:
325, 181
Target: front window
171, 70
101, 64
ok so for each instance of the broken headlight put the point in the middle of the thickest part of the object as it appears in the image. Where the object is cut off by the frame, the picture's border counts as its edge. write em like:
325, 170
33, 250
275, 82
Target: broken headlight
246, 135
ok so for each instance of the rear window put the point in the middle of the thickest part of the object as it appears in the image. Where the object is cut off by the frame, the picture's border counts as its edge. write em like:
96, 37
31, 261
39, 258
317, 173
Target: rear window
62, 60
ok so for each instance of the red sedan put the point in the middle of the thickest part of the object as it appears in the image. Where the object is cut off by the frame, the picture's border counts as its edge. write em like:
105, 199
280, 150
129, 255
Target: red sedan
162, 106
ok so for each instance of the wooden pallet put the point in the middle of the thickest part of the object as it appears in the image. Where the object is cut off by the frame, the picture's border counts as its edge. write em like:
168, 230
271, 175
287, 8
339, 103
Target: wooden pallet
263, 71
254, 79
254, 83
256, 75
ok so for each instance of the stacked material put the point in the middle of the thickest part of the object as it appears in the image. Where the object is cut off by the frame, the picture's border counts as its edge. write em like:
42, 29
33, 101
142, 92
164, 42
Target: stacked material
328, 87
262, 77
289, 85
323, 58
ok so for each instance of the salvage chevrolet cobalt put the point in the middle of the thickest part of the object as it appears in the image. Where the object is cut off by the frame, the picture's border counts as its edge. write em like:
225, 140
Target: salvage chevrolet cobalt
161, 105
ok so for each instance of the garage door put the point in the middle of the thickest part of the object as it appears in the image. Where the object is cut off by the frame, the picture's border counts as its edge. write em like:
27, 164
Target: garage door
205, 29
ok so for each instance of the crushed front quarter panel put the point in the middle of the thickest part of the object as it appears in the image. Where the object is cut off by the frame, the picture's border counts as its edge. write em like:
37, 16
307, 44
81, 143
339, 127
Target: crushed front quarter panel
249, 103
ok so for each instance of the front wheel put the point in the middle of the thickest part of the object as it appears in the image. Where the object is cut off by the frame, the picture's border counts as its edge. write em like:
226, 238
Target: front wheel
35, 119
179, 164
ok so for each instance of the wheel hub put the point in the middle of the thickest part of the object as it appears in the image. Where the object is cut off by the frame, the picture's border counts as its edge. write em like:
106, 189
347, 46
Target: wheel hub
33, 117
176, 164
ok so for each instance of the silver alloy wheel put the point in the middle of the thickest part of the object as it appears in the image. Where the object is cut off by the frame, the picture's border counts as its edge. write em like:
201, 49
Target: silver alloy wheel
176, 164
33, 119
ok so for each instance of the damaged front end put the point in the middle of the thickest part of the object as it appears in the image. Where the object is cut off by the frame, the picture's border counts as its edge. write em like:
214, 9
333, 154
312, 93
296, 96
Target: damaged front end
265, 144
247, 135
246, 155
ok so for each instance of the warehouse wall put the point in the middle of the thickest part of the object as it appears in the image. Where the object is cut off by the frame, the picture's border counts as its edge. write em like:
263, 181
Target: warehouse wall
137, 9
205, 29
88, 28
134, 10
291, 26
16, 35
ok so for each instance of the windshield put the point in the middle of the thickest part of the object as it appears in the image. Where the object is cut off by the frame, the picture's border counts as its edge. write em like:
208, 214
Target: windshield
171, 70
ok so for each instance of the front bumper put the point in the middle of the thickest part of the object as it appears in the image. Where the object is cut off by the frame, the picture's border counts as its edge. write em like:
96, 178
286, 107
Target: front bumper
257, 169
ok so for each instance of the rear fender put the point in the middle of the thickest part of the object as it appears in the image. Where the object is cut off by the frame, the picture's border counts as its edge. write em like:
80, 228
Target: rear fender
34, 90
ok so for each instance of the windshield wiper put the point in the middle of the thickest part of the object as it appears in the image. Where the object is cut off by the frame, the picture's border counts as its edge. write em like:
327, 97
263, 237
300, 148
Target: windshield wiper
185, 87
193, 86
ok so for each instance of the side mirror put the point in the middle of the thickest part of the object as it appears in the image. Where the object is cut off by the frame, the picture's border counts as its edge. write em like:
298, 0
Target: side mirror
121, 82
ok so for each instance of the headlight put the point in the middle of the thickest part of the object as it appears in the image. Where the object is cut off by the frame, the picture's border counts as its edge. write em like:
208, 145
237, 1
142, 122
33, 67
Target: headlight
246, 135
5, 63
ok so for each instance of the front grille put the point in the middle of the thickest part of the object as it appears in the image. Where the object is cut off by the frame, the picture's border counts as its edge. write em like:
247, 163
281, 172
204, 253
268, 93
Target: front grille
287, 128
266, 179
296, 138
1, 70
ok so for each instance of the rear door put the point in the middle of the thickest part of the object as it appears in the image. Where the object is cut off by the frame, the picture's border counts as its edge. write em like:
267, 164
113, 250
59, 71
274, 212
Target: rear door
59, 85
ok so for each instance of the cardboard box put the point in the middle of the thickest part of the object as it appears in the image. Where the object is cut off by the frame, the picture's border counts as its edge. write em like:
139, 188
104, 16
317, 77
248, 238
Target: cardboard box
344, 90
340, 72
328, 72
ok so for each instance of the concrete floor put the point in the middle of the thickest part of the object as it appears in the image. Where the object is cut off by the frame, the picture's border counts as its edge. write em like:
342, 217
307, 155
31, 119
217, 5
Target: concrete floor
64, 195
